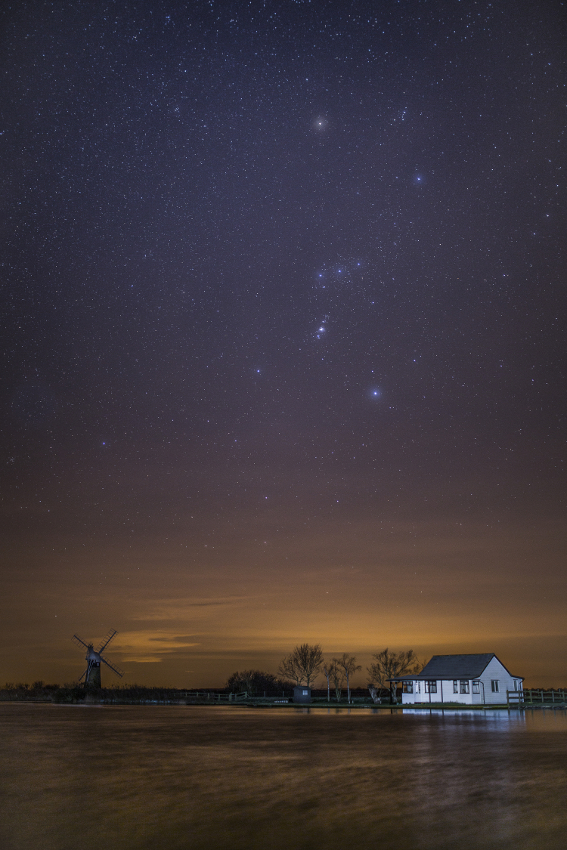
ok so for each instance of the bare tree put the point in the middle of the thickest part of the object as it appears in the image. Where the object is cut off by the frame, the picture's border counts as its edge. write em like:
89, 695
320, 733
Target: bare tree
337, 678
326, 669
303, 664
347, 663
388, 665
288, 669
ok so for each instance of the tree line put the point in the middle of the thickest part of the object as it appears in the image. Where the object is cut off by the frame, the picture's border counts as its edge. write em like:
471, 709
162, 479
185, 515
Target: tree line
301, 667
306, 662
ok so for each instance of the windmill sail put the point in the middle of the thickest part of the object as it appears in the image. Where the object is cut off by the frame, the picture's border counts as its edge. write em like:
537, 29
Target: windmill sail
107, 640
113, 667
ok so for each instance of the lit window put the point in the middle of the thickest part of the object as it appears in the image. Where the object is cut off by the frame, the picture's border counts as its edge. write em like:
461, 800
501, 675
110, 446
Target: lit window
455, 686
431, 687
476, 687
407, 687
464, 686
495, 684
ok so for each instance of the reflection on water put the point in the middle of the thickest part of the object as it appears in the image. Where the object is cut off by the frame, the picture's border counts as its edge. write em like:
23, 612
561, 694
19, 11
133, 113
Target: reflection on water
135, 778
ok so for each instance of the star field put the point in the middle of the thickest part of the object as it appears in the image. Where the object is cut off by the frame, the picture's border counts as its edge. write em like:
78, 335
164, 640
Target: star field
283, 330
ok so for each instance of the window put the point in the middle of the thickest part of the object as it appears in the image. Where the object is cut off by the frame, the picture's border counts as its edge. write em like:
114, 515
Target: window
455, 686
495, 684
464, 686
431, 687
417, 687
476, 687
407, 687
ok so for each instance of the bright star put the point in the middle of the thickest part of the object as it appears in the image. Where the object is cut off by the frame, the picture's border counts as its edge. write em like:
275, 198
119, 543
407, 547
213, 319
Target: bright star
320, 123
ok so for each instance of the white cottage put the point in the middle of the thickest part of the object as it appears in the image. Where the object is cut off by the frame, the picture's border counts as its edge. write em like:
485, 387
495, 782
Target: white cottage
468, 679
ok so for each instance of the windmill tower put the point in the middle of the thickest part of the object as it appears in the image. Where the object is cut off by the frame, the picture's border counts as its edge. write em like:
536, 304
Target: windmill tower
94, 658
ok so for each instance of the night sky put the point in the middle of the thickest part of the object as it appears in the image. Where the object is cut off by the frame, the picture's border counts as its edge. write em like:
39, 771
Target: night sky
283, 334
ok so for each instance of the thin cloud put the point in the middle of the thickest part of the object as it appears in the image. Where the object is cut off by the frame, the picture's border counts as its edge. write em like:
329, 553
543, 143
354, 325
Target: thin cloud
149, 647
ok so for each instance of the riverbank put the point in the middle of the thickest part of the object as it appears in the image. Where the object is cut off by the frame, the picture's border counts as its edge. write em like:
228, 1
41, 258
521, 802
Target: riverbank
138, 695
266, 705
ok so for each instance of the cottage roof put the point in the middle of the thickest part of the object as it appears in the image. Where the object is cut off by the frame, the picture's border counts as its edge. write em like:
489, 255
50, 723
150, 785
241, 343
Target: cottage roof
454, 667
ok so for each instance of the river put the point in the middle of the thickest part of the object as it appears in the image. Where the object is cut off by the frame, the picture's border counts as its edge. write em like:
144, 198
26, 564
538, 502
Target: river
189, 778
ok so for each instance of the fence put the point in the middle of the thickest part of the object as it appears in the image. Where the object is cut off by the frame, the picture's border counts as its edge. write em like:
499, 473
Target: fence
210, 696
527, 697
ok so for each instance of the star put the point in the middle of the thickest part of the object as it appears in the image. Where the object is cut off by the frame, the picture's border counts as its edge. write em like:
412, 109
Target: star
320, 123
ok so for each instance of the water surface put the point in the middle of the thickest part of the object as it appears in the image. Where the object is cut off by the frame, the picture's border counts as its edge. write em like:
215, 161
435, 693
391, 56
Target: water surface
189, 778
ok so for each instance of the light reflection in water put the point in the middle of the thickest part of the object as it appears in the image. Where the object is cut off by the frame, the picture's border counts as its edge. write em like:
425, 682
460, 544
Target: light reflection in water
191, 778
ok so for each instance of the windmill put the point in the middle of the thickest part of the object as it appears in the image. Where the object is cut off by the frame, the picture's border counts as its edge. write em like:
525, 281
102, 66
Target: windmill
94, 657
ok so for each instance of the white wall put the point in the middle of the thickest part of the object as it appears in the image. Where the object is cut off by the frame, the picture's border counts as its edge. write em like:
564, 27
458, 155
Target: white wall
495, 670
444, 694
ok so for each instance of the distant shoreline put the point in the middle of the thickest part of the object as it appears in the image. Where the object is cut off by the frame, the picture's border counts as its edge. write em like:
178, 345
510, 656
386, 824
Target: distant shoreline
426, 707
